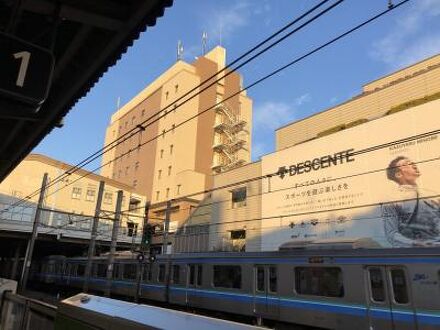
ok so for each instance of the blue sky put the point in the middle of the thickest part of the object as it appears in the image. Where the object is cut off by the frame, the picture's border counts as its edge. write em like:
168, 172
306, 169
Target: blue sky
329, 77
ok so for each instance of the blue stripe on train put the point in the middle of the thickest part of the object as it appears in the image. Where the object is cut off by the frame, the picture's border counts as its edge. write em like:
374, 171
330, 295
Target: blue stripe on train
354, 310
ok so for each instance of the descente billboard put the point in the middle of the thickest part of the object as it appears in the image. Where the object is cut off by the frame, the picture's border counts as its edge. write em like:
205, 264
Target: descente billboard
378, 180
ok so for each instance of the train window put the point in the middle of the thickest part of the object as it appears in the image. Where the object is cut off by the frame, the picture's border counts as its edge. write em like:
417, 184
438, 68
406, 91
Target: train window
272, 279
130, 271
199, 275
260, 279
80, 271
101, 271
176, 274
192, 273
161, 274
377, 285
399, 286
148, 274
319, 281
227, 276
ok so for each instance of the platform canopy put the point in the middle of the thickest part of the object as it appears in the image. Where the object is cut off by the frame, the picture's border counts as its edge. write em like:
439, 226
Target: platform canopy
66, 46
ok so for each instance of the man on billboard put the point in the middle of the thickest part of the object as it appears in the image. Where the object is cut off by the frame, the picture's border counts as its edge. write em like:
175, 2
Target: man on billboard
410, 220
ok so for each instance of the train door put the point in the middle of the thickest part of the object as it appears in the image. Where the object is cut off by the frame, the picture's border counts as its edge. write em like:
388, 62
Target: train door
194, 281
266, 291
389, 299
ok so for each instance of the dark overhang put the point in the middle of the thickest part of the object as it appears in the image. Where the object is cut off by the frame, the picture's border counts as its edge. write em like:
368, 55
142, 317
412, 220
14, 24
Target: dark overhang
86, 37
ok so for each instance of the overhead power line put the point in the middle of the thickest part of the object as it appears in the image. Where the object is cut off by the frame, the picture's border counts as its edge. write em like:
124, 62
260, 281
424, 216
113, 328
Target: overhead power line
140, 128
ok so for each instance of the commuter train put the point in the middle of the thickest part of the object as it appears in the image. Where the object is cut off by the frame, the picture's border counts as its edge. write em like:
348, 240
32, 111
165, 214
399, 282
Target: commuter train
309, 287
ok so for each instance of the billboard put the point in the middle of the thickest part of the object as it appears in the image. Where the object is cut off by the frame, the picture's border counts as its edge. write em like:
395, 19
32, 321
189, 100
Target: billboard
378, 180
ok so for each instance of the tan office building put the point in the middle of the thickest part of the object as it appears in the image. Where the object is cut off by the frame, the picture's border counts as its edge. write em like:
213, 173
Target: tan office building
178, 154
327, 179
69, 202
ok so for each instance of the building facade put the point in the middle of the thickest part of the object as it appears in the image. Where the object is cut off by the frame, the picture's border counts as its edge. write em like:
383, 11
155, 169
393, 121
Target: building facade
69, 203
367, 168
176, 155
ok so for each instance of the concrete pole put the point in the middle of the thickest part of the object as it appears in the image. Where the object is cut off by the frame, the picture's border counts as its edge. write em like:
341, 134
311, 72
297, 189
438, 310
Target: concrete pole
145, 233
15, 263
111, 256
166, 227
93, 237
31, 243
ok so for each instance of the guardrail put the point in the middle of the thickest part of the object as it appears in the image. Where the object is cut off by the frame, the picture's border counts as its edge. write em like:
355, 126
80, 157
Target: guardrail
22, 313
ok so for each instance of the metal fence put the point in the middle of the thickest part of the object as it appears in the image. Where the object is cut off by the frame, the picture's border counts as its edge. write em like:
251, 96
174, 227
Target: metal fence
22, 313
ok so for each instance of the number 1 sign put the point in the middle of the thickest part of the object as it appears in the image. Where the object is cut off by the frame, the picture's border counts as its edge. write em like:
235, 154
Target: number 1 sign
25, 70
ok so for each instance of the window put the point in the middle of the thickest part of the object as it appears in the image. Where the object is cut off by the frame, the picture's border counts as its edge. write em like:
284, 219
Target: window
76, 193
134, 205
127, 169
108, 197
399, 286
135, 182
157, 195
169, 170
199, 275
273, 286
161, 153
319, 281
136, 165
143, 112
163, 133
159, 174
161, 274
126, 124
166, 95
260, 279
227, 276
130, 271
133, 119
171, 149
90, 196
176, 274
178, 189
238, 197
119, 173
377, 285
148, 274
238, 234
101, 270
132, 229
168, 193
81, 270
176, 89
173, 127
195, 274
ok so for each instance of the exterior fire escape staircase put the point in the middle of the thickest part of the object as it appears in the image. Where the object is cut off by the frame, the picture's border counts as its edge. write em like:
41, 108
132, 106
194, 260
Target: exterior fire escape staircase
227, 140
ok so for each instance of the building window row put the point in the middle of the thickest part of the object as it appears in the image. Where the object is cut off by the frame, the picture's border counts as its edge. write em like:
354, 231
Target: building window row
161, 153
168, 191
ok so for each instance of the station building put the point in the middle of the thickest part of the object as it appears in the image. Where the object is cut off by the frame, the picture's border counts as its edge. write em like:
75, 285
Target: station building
67, 209
330, 177
175, 157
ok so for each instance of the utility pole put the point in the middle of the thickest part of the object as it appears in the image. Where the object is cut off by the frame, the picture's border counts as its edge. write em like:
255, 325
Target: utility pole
145, 243
31, 243
166, 227
93, 237
111, 256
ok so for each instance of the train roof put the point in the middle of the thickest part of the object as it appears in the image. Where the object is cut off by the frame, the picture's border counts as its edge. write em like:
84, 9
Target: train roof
99, 312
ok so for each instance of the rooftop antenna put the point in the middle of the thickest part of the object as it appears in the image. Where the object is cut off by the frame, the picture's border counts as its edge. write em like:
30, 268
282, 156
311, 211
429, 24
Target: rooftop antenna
179, 50
118, 103
204, 42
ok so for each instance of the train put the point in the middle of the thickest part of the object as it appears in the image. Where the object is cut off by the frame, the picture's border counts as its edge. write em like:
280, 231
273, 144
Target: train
303, 287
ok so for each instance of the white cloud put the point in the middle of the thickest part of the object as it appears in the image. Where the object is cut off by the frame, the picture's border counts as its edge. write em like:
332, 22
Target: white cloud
224, 22
300, 100
272, 115
403, 45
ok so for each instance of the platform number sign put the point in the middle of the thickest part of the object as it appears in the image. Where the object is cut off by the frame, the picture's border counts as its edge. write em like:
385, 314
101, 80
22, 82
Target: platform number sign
25, 70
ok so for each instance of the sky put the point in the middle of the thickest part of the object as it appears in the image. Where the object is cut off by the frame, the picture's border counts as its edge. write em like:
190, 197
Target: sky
332, 76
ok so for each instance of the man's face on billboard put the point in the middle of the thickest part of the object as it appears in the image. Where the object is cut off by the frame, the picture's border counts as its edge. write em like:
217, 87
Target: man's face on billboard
407, 172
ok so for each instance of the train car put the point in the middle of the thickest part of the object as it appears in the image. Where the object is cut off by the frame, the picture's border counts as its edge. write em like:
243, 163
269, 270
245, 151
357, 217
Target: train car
327, 288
